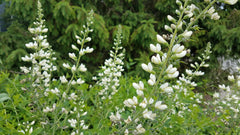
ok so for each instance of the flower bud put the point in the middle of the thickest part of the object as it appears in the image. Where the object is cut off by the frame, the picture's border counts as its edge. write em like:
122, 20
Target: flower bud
173, 26
177, 12
169, 29
171, 19
180, 25
230, 2
74, 47
161, 40
179, 2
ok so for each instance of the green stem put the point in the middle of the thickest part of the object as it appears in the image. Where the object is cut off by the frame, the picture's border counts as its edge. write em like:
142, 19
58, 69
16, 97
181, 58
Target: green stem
200, 15
169, 50
56, 120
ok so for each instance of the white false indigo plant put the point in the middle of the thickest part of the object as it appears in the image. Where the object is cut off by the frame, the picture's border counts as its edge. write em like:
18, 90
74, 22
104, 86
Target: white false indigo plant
42, 57
74, 109
112, 69
158, 100
164, 89
42, 67
66, 105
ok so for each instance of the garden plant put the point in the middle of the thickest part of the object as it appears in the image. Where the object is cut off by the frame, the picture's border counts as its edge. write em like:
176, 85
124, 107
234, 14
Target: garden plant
37, 100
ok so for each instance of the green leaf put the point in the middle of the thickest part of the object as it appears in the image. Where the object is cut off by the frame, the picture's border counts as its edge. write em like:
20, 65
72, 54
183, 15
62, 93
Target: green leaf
3, 97
37, 131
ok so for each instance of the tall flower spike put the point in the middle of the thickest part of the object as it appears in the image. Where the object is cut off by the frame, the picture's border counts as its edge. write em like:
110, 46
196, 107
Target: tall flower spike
42, 58
112, 69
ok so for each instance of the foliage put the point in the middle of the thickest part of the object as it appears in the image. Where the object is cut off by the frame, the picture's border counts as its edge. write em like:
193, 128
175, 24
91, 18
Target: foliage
12, 46
165, 101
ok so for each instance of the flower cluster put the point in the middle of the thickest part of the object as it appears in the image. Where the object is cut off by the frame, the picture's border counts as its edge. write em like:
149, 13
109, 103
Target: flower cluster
78, 67
42, 57
112, 69
28, 127
227, 100
149, 102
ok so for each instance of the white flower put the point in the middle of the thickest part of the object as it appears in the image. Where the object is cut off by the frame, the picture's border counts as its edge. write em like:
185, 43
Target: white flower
63, 79
73, 82
211, 11
126, 132
166, 27
222, 86
140, 93
81, 52
216, 95
173, 26
84, 127
66, 65
72, 122
77, 37
152, 80
172, 72
148, 67
230, 2
88, 50
161, 40
45, 30
160, 106
139, 86
165, 88
75, 47
156, 59
79, 42
88, 39
148, 114
189, 72
30, 130
215, 16
82, 68
143, 104
131, 102
179, 50
187, 34
198, 73
72, 55
170, 18
27, 58
128, 120
156, 48
74, 68
80, 81
231, 78
115, 118
32, 45
180, 25
25, 69
140, 129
